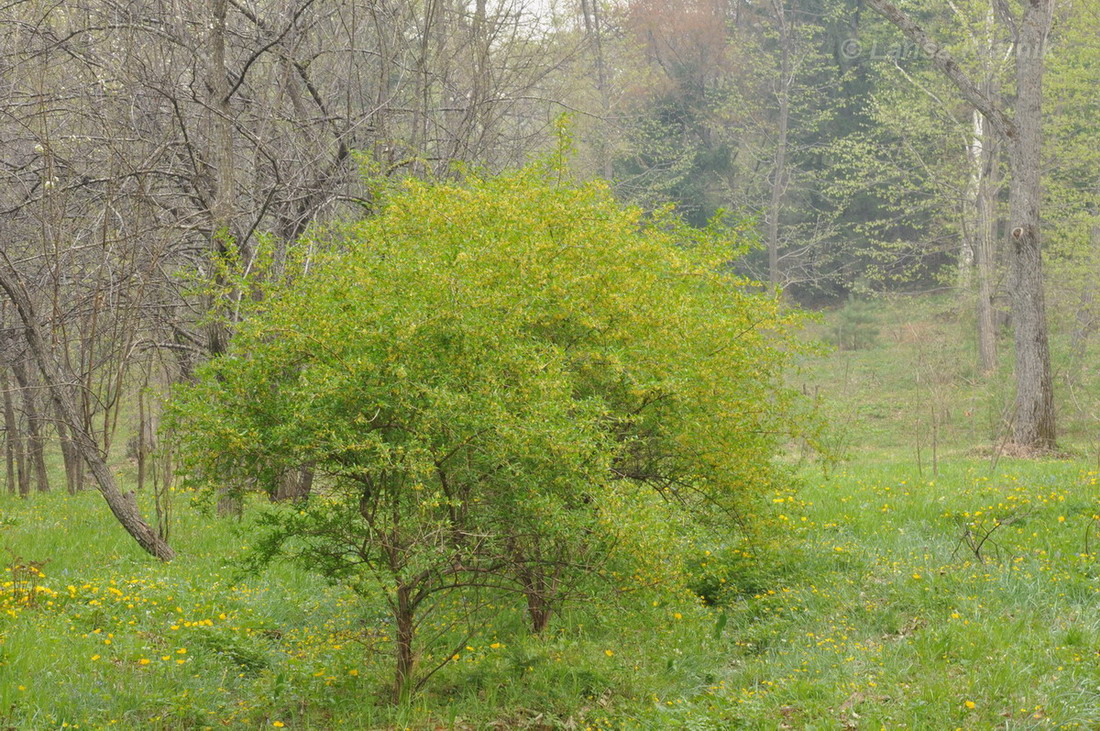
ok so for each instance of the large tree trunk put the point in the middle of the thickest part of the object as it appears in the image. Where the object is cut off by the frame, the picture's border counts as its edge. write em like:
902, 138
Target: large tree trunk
1035, 426
122, 505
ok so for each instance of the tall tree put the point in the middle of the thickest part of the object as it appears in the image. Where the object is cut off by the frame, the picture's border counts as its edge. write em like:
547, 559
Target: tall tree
783, 85
1034, 416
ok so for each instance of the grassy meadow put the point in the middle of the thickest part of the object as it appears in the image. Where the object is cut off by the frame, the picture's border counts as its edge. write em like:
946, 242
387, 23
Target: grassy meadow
929, 581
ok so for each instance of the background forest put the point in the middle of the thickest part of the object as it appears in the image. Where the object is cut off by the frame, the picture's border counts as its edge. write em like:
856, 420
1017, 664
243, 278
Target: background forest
141, 142
227, 230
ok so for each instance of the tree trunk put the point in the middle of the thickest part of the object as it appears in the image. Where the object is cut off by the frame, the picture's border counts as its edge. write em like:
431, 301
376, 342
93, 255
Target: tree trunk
36, 442
966, 261
74, 469
1035, 425
122, 505
221, 213
404, 618
141, 442
779, 171
13, 451
590, 9
539, 608
540, 586
983, 164
294, 485
1085, 319
1084, 327
220, 111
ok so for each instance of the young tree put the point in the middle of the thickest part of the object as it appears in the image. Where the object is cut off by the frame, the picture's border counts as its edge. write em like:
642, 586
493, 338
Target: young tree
491, 383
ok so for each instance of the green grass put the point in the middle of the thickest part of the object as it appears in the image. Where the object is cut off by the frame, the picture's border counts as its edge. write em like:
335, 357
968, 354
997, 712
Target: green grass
892, 622
882, 617
870, 611
917, 367
113, 638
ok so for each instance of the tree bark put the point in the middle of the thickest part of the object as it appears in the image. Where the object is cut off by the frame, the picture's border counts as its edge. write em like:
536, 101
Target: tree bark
591, 12
294, 485
1085, 317
1083, 330
225, 180
982, 235
141, 442
13, 450
539, 607
404, 616
123, 505
1035, 426
74, 468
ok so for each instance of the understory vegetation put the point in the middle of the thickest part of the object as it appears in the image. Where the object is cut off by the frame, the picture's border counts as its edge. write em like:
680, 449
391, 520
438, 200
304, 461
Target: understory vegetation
879, 613
895, 593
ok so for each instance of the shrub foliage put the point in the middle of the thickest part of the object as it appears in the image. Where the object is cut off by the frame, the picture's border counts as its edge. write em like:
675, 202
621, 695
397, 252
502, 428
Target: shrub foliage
506, 386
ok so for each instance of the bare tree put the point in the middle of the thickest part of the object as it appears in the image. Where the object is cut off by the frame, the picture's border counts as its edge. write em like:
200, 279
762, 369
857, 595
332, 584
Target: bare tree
150, 145
123, 505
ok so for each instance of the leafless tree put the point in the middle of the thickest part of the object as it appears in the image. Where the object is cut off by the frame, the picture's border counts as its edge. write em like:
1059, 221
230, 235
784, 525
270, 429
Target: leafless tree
150, 144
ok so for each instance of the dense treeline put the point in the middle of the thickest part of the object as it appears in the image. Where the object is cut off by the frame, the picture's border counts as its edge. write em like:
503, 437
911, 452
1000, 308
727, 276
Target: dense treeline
147, 144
